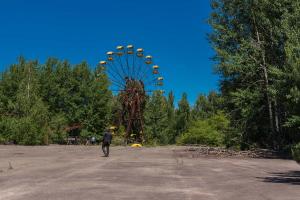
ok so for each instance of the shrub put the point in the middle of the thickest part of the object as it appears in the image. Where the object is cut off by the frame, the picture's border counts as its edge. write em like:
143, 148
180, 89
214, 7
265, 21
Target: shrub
296, 153
57, 132
2, 139
25, 131
28, 132
8, 129
58, 137
209, 131
85, 134
117, 140
201, 132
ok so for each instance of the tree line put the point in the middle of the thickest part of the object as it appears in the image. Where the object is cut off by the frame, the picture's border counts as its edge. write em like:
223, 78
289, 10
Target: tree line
39, 103
46, 103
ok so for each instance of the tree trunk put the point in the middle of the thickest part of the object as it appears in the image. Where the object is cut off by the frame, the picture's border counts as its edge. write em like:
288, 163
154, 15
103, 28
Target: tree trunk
276, 116
266, 78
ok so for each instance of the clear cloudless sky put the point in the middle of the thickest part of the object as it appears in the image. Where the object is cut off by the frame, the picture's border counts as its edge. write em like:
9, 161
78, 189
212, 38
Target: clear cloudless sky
174, 32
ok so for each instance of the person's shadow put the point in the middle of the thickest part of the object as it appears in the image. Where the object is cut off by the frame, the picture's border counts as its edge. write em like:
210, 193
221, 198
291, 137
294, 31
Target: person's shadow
290, 177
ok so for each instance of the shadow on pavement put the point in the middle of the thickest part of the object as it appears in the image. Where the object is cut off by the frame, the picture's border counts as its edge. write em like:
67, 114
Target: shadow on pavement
291, 177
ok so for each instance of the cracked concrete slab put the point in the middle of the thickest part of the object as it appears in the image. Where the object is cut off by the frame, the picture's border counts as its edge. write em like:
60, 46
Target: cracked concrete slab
80, 172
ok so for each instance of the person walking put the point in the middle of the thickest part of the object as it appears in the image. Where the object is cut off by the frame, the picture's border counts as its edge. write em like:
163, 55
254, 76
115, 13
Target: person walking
106, 141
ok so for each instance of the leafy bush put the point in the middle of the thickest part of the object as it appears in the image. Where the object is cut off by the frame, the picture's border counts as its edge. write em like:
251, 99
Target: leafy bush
58, 134
8, 129
209, 131
296, 153
117, 140
25, 131
232, 138
28, 132
58, 137
201, 132
118, 136
152, 143
85, 134
2, 139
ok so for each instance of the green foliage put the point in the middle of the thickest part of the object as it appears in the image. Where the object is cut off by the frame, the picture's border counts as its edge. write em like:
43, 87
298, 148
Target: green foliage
183, 115
171, 131
296, 152
8, 129
207, 106
211, 131
39, 101
28, 132
118, 136
293, 121
156, 119
118, 140
257, 57
202, 108
85, 134
56, 127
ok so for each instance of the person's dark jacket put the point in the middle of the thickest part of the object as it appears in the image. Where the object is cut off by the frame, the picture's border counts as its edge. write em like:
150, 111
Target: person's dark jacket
107, 137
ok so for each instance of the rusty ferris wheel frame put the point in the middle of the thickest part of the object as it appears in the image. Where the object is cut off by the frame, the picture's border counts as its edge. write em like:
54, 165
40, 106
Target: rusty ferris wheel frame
132, 75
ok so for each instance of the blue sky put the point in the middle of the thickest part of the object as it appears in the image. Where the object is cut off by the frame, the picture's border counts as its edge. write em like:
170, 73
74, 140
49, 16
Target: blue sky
174, 32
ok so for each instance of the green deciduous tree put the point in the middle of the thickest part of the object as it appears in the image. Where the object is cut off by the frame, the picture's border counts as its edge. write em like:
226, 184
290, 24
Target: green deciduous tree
183, 115
171, 131
156, 119
251, 40
38, 102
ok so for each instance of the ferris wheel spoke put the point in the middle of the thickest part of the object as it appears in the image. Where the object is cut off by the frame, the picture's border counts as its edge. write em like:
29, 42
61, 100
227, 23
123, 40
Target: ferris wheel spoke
151, 81
146, 73
116, 88
148, 78
141, 70
134, 66
115, 79
114, 76
121, 64
127, 64
138, 68
118, 84
131, 70
113, 73
115, 69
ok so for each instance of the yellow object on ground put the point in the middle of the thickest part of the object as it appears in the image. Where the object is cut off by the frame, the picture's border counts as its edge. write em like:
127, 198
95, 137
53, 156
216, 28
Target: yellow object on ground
136, 145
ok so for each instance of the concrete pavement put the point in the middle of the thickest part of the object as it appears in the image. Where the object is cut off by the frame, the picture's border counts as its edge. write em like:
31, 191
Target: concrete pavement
80, 172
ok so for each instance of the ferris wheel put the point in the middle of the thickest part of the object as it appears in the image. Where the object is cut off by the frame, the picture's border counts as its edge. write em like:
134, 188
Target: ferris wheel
132, 75
128, 63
